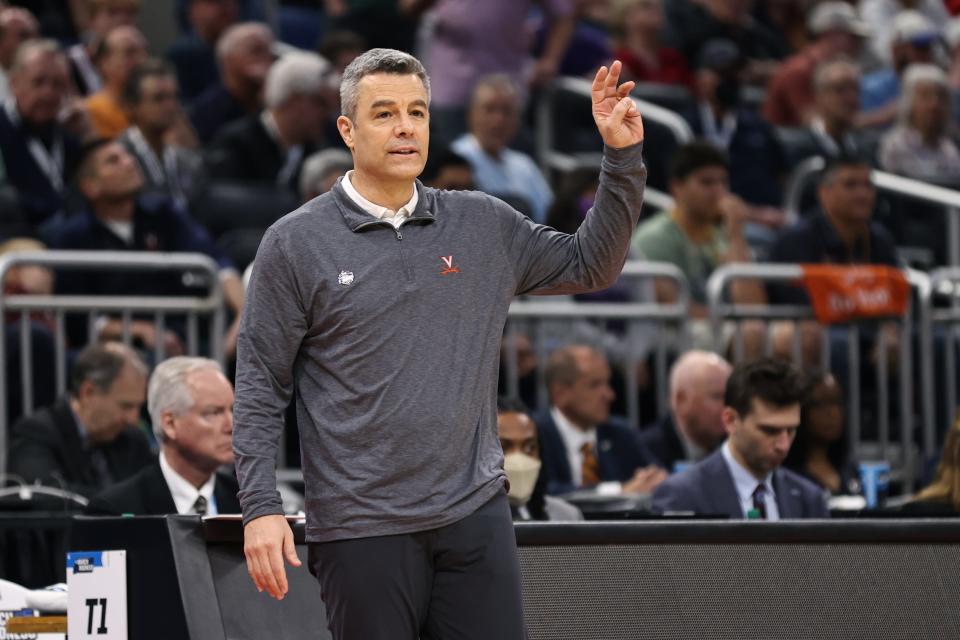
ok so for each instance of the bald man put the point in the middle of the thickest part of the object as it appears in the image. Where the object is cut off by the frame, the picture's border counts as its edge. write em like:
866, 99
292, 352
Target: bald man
694, 427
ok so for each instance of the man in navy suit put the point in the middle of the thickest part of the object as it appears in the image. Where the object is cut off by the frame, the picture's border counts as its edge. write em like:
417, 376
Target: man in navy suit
580, 445
694, 427
743, 479
191, 408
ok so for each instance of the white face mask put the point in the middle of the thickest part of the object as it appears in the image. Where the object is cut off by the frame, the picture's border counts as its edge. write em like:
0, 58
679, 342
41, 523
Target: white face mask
522, 471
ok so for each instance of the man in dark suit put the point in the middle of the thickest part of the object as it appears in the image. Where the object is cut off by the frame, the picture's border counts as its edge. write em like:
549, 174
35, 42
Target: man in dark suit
269, 148
90, 440
580, 445
744, 479
37, 151
191, 407
694, 426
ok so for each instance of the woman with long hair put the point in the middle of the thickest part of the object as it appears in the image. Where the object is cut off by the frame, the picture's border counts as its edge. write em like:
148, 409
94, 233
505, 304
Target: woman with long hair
942, 496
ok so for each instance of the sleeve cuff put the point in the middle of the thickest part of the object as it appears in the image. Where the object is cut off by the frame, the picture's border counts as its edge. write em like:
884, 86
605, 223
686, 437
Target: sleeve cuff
626, 158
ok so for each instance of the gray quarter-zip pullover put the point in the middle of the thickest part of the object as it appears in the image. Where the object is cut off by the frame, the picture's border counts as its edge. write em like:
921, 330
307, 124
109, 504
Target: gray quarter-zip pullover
391, 339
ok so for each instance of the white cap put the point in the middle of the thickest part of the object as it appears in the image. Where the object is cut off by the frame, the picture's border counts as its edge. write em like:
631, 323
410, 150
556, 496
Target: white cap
952, 33
836, 16
913, 27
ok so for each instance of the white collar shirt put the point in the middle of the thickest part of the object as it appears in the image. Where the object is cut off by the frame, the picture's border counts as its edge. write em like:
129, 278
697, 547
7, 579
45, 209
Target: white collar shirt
573, 439
745, 484
185, 494
396, 218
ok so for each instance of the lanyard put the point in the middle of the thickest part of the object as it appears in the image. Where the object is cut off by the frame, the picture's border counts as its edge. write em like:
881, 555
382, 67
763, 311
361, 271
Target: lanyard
50, 162
165, 175
721, 136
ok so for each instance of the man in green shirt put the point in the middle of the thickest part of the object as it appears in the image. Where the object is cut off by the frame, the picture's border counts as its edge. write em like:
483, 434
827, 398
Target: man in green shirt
703, 230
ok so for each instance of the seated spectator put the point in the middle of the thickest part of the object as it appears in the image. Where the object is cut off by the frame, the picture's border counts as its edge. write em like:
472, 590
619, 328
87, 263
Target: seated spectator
381, 23
757, 163
744, 478
692, 24
269, 148
821, 449
590, 45
244, 54
493, 121
448, 170
105, 16
154, 108
942, 496
90, 440
122, 50
638, 27
694, 426
118, 219
921, 146
913, 39
28, 279
580, 445
841, 232
191, 407
790, 95
193, 53
17, 25
321, 171
704, 230
38, 152
880, 16
832, 129
787, 19
521, 461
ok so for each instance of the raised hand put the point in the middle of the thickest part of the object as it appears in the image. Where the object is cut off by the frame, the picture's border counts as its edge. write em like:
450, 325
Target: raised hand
617, 118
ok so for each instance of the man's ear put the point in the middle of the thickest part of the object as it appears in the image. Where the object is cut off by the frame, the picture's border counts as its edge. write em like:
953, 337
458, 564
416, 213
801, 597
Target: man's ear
345, 127
730, 417
89, 187
168, 426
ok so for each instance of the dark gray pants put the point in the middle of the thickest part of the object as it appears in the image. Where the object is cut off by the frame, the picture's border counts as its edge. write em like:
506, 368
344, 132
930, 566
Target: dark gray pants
461, 581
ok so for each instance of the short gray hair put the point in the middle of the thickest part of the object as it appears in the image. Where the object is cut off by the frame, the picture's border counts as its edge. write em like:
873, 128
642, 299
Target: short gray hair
297, 73
377, 61
917, 74
31, 48
319, 165
236, 34
168, 389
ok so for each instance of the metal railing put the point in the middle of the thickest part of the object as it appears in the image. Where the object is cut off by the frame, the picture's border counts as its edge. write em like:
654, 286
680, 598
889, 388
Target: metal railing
160, 307
550, 158
946, 282
722, 311
887, 182
532, 313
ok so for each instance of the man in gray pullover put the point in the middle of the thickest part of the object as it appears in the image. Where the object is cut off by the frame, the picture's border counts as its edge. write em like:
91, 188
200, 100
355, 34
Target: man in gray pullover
382, 303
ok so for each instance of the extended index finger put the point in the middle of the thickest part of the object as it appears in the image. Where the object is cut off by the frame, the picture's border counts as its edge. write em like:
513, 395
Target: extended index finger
599, 81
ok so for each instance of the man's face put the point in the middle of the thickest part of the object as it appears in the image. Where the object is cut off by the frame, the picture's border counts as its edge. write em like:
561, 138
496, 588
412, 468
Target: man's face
838, 99
126, 48
518, 434
309, 113
252, 57
40, 87
114, 175
700, 193
849, 195
390, 133
18, 26
158, 107
929, 109
108, 413
587, 401
701, 406
762, 438
203, 433
494, 118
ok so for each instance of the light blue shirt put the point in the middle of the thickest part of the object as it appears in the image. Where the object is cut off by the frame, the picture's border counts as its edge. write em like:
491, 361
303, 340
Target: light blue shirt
745, 483
512, 174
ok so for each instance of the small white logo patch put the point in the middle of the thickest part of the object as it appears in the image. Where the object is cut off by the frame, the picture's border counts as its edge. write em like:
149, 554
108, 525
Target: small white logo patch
345, 278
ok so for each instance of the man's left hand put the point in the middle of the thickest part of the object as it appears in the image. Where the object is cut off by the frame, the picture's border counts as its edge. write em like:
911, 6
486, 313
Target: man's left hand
617, 118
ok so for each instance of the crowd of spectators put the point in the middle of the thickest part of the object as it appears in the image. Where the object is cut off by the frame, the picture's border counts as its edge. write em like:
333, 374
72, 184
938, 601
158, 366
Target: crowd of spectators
110, 144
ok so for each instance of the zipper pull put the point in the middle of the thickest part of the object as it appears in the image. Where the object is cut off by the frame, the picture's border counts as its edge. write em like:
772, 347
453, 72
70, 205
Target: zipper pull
399, 235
